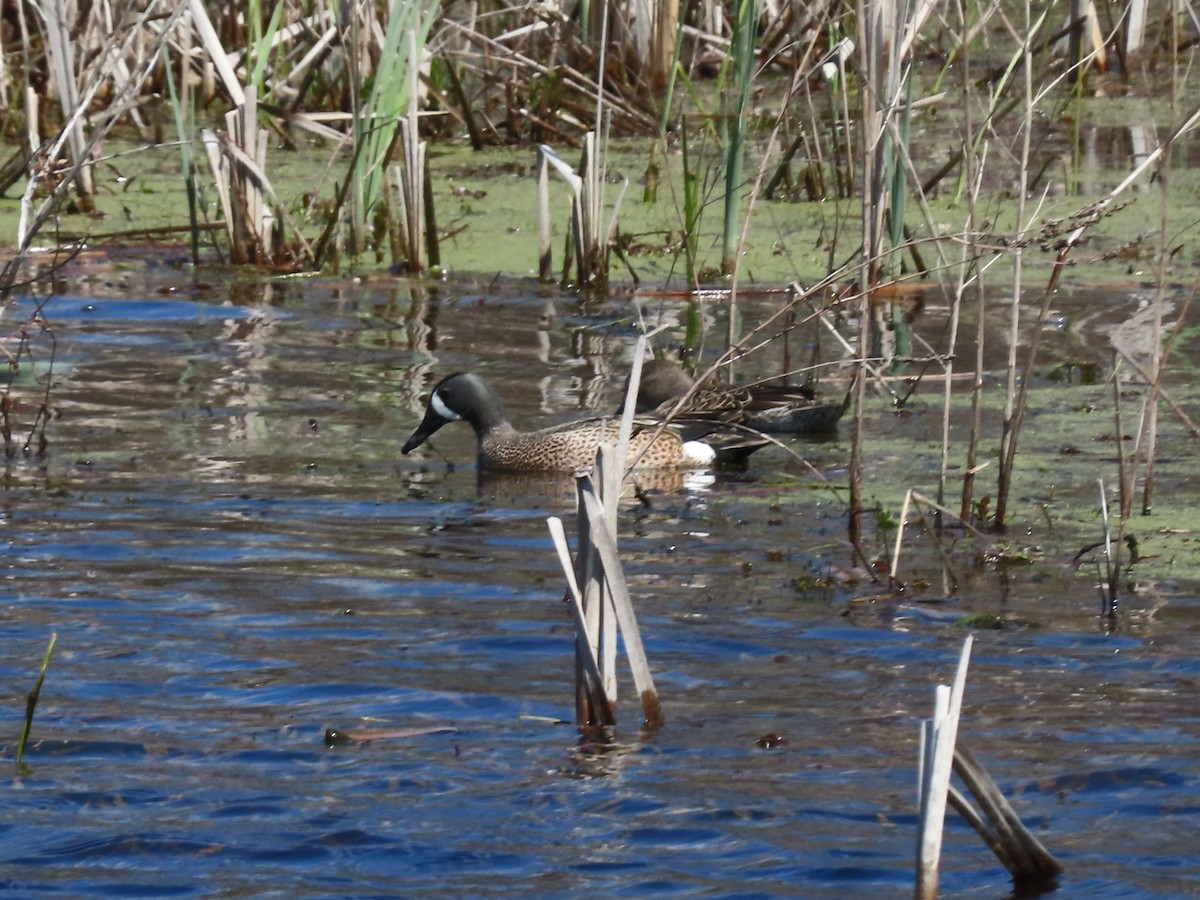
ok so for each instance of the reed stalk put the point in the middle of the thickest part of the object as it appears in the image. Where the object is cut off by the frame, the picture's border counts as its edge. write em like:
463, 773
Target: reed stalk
972, 176
870, 43
1032, 867
149, 31
692, 210
1147, 442
598, 595
664, 49
410, 179
938, 736
590, 239
60, 50
1014, 408
744, 33
376, 125
183, 113
31, 700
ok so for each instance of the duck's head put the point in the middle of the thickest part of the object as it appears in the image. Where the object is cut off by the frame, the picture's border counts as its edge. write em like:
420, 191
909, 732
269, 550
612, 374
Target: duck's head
459, 396
662, 380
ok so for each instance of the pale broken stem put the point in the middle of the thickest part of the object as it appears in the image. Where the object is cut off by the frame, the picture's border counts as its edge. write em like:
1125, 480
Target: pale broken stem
1156, 386
575, 602
220, 171
1023, 853
545, 251
937, 763
971, 815
607, 550
216, 52
606, 479
900, 534
30, 220
1126, 462
631, 395
1108, 590
590, 707
910, 498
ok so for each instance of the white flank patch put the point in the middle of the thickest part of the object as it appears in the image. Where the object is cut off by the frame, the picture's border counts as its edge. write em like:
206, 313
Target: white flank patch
698, 453
435, 402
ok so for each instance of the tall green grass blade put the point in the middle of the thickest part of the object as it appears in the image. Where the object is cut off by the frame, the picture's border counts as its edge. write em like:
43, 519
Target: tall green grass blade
184, 127
691, 210
32, 700
387, 102
744, 33
259, 51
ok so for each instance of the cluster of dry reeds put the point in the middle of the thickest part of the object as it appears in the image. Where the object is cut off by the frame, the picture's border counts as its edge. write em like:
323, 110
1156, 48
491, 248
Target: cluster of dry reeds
1019, 89
543, 74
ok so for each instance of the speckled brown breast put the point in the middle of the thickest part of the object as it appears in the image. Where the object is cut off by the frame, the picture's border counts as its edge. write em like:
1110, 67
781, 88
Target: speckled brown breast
565, 448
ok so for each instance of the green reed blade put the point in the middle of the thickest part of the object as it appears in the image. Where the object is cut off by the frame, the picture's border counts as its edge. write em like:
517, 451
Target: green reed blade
32, 700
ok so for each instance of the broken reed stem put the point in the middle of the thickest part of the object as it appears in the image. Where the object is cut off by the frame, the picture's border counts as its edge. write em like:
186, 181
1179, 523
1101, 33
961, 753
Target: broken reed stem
1125, 475
545, 251
592, 688
602, 606
1026, 859
971, 815
912, 497
1108, 590
631, 394
408, 179
606, 482
900, 534
992, 804
32, 700
615, 576
591, 701
588, 242
938, 738
1024, 855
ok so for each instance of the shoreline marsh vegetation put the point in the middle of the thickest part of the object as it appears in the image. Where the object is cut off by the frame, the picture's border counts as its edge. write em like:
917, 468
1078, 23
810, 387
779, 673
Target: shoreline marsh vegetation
775, 108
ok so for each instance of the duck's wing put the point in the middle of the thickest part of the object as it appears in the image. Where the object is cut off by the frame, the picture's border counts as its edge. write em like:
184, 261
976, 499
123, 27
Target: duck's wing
731, 442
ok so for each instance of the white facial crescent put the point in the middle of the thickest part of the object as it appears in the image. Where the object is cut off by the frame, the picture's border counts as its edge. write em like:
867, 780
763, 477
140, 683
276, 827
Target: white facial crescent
442, 409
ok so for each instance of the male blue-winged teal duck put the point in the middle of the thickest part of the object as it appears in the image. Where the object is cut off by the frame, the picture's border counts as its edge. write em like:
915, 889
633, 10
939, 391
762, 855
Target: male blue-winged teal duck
770, 409
564, 448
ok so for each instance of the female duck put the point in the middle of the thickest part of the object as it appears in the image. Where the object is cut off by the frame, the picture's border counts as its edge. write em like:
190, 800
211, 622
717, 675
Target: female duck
561, 448
770, 409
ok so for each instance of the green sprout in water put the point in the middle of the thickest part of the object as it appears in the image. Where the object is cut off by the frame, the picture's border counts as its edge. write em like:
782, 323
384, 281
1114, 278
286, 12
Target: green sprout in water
32, 699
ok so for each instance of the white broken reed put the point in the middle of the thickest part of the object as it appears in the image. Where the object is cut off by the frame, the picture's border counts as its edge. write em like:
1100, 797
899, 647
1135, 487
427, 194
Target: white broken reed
938, 736
586, 643
596, 588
